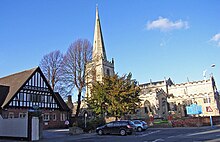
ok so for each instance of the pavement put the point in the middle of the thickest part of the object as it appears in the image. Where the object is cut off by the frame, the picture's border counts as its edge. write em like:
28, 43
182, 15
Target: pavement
57, 135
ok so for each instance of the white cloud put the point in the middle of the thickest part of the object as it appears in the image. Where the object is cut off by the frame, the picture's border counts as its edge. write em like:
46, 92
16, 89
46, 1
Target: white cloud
216, 39
164, 24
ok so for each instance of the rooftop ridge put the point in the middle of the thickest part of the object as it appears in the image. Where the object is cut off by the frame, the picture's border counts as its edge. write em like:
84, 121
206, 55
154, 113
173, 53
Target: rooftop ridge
16, 73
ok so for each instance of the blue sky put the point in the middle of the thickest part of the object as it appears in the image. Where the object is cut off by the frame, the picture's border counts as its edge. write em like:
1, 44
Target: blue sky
152, 39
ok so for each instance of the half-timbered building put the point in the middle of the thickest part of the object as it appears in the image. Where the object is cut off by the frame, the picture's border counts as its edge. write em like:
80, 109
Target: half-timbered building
28, 90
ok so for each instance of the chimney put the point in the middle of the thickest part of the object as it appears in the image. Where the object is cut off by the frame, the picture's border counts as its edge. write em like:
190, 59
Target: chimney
69, 102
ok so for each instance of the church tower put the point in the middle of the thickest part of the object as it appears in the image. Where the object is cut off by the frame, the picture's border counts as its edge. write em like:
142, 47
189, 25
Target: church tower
99, 66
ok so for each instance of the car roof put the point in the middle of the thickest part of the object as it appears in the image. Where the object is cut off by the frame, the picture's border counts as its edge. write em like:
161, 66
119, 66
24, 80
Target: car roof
136, 120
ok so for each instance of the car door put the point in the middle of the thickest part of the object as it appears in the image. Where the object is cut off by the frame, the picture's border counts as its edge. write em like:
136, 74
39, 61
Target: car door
109, 128
116, 128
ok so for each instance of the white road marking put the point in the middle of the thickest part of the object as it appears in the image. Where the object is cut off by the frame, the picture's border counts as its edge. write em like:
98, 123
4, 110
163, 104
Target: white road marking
158, 140
205, 132
171, 137
143, 135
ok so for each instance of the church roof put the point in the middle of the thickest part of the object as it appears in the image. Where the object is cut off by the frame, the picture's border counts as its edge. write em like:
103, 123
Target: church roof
169, 82
98, 43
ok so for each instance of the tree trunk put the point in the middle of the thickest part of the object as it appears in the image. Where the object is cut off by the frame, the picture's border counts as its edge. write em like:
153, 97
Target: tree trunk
79, 104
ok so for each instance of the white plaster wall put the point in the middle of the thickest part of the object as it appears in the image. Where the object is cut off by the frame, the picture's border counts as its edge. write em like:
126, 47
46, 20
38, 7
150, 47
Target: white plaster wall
15, 127
35, 129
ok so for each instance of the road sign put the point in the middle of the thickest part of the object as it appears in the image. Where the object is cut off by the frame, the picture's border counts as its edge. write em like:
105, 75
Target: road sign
194, 109
209, 109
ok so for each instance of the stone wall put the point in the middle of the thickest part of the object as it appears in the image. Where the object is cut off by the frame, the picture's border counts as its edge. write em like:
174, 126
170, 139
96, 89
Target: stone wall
179, 96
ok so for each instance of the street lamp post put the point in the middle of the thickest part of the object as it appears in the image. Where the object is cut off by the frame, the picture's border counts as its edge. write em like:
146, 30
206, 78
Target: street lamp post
85, 119
208, 99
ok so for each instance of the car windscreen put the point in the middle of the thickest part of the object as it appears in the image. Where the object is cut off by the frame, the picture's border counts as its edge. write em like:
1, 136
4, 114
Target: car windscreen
130, 123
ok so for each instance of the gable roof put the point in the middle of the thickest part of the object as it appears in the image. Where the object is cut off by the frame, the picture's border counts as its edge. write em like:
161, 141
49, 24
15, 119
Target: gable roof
10, 85
15, 82
3, 93
61, 101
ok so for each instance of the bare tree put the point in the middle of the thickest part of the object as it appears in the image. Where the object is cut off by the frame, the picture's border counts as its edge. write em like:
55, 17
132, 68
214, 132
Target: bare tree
51, 67
74, 65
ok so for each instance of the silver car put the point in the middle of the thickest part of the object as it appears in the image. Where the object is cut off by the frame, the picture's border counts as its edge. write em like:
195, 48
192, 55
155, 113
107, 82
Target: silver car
140, 125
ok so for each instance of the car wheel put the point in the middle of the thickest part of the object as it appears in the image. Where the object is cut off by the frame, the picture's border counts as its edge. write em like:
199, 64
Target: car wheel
100, 132
139, 129
122, 132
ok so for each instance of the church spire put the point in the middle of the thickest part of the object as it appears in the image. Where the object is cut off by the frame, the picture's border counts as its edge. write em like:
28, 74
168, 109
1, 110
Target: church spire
98, 43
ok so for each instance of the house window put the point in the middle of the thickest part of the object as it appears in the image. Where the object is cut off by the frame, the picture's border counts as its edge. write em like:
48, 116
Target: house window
49, 99
11, 115
22, 115
21, 96
62, 117
46, 117
29, 97
34, 97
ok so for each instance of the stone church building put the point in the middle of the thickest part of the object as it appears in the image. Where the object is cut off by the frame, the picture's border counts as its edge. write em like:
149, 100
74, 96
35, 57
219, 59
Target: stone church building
158, 99
163, 98
99, 66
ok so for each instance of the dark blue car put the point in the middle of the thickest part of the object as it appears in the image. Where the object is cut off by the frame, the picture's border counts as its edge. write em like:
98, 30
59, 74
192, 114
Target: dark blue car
122, 127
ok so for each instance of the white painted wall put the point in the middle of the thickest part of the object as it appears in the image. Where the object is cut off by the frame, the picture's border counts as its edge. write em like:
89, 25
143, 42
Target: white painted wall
35, 129
15, 127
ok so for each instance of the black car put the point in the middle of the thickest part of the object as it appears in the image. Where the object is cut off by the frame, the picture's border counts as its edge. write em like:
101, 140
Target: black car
122, 127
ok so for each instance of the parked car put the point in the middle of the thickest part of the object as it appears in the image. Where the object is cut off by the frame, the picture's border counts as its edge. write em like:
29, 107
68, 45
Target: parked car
122, 127
140, 125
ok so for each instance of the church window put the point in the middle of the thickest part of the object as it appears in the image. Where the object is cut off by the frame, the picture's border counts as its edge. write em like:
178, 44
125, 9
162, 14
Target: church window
145, 110
108, 72
207, 100
175, 107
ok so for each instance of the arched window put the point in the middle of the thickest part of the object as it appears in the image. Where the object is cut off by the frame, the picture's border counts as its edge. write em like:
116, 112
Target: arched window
107, 72
147, 107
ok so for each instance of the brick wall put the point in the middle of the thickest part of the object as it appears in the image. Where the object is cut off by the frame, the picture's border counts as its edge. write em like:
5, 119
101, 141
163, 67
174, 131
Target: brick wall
50, 123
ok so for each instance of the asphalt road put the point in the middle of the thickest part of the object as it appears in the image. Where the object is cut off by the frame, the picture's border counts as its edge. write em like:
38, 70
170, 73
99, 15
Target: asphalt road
206, 134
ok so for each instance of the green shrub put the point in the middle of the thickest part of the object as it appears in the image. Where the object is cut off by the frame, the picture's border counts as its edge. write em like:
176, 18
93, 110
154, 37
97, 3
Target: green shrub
161, 122
91, 124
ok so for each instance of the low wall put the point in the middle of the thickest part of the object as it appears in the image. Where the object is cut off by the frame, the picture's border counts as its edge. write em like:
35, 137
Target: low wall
195, 121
